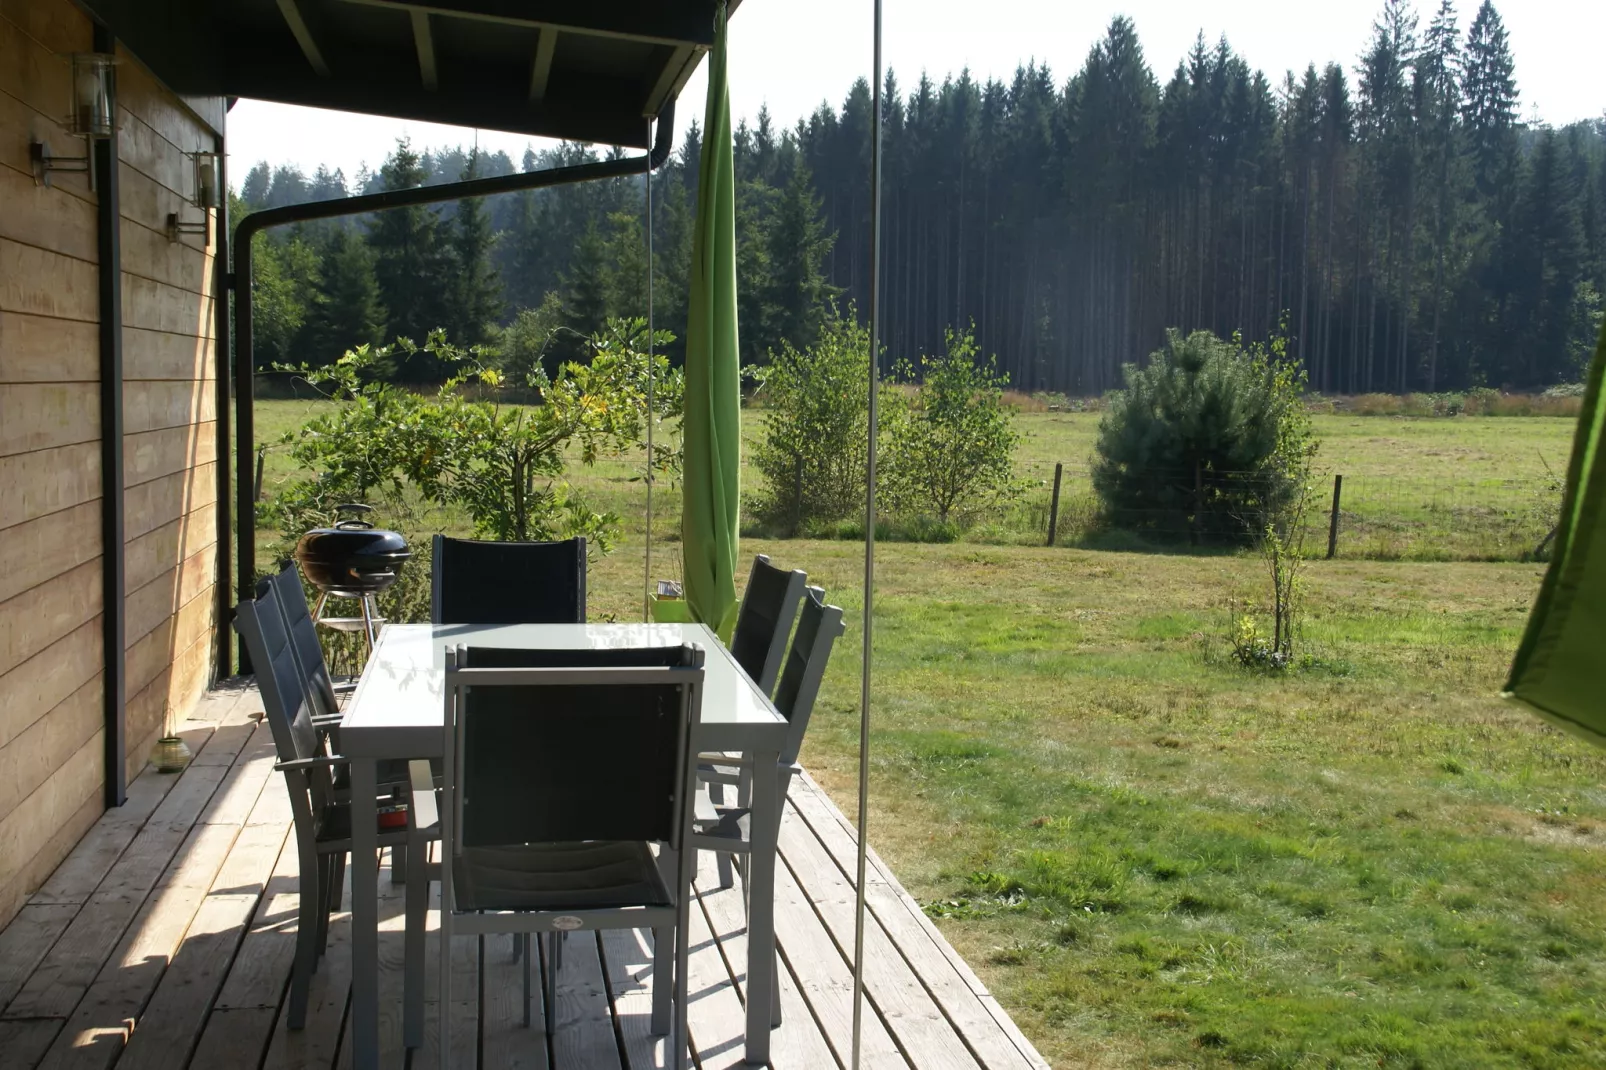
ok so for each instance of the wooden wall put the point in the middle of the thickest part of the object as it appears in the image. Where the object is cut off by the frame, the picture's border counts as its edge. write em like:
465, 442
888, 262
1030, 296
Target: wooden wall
51, 704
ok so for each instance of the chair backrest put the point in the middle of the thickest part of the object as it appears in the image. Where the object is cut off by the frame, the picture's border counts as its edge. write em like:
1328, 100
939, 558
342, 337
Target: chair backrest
292, 599
596, 749
284, 695
817, 629
765, 620
475, 582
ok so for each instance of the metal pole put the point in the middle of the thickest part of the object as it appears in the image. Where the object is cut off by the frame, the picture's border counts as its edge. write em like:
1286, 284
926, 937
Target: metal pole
104, 172
869, 543
646, 588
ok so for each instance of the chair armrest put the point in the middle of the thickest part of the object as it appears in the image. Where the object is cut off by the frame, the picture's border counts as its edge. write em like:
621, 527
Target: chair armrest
328, 718
721, 758
309, 763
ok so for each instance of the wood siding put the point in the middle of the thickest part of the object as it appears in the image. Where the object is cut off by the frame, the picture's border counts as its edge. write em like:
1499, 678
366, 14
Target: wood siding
51, 700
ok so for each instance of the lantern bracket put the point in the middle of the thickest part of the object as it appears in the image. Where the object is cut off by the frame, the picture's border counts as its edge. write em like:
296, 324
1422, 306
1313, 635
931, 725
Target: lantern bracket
47, 163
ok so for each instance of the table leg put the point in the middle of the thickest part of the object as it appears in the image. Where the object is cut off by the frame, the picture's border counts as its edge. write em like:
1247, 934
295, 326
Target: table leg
365, 916
764, 830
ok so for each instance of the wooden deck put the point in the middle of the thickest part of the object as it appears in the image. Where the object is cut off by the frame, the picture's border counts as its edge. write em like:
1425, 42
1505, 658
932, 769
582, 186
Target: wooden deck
165, 941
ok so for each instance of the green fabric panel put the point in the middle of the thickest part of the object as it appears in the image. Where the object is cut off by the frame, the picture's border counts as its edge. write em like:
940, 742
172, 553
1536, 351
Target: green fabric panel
712, 487
1560, 668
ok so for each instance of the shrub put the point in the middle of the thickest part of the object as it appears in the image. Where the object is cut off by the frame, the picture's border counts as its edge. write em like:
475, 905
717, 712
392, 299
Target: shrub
950, 444
811, 456
1210, 440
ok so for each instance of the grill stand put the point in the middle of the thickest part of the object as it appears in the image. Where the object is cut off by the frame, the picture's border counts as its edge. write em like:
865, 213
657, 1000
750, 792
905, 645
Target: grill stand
368, 623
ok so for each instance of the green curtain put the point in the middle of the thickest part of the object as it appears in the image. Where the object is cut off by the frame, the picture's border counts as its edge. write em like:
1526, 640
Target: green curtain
1560, 669
712, 486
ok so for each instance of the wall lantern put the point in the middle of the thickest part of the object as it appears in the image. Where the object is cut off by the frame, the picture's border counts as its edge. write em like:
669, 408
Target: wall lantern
91, 115
204, 195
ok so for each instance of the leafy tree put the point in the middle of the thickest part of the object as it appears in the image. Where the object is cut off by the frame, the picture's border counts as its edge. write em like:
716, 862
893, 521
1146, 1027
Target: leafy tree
811, 453
502, 464
1208, 441
526, 348
284, 277
951, 440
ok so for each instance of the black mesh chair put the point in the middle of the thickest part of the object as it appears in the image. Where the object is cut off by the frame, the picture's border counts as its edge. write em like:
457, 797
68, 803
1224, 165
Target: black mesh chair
765, 620
724, 829
323, 696
322, 813
475, 582
521, 855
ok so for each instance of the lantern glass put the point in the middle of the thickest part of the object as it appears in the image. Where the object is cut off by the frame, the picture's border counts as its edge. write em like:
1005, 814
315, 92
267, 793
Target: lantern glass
94, 110
205, 180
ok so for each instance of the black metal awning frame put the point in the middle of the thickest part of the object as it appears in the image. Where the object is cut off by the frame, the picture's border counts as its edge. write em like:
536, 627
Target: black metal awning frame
238, 282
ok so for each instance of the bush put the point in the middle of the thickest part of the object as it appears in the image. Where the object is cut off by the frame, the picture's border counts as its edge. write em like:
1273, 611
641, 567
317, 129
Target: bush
1211, 441
816, 419
950, 444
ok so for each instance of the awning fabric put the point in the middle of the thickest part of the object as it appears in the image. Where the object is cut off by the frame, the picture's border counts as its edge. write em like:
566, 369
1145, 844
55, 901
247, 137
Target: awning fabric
711, 486
1560, 669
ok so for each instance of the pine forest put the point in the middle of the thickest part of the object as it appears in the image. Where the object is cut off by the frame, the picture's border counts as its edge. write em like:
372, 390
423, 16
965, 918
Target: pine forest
1394, 217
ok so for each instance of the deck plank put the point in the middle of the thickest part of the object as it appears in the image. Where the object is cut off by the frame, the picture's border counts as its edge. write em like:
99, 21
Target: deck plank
825, 977
170, 1025
24, 1043
27, 940
262, 968
81, 872
798, 1044
507, 1041
627, 960
918, 1025
61, 980
582, 1022
991, 1034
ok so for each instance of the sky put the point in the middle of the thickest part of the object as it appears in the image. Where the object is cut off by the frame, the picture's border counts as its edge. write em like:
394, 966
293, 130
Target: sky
794, 54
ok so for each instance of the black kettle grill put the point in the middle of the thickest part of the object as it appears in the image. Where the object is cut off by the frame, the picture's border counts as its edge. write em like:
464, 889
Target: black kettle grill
352, 560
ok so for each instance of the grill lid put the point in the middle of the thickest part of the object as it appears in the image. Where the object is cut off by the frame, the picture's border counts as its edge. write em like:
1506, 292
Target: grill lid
350, 537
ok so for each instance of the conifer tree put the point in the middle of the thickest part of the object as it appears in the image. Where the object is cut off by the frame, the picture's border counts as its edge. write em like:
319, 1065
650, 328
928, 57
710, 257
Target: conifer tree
345, 309
410, 265
475, 295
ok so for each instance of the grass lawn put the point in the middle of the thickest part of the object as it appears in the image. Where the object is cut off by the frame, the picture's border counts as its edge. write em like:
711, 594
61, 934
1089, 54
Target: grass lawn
1154, 857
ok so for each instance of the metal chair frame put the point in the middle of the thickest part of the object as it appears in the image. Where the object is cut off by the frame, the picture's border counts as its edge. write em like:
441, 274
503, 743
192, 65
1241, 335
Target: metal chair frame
668, 923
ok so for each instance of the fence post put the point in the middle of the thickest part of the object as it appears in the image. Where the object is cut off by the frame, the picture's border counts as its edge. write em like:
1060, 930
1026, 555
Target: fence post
1332, 524
1054, 506
257, 496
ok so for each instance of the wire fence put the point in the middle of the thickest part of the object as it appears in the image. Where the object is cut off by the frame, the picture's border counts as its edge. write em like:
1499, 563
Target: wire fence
1379, 517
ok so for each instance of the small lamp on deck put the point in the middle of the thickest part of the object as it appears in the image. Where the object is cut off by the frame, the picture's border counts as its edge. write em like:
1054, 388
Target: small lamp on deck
170, 754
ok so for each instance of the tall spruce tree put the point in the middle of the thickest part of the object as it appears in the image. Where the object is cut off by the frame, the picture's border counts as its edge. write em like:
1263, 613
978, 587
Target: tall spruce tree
345, 309
410, 264
797, 293
475, 295
1489, 101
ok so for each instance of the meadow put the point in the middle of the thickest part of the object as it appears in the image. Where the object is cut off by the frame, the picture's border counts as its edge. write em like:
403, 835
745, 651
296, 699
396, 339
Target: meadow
1155, 857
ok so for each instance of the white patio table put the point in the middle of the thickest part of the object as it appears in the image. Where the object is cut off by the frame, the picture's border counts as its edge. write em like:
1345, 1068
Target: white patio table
398, 711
